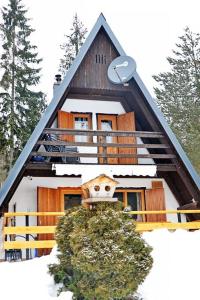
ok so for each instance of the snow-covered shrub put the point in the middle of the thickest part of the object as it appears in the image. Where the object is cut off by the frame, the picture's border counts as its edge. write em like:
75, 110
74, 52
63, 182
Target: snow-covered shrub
101, 256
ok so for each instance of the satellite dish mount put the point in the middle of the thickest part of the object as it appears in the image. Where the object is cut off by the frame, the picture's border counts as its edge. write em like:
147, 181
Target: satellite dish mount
121, 70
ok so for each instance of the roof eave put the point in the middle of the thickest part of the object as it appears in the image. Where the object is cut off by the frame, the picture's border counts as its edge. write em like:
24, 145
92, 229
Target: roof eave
169, 132
101, 22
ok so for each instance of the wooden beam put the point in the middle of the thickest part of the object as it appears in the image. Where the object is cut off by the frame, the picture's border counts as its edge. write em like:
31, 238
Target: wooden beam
60, 131
29, 244
98, 144
48, 166
29, 229
33, 213
166, 168
135, 96
39, 166
75, 154
187, 181
164, 212
174, 181
141, 227
94, 94
134, 212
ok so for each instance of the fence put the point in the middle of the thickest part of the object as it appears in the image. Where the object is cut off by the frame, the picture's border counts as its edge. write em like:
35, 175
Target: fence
27, 230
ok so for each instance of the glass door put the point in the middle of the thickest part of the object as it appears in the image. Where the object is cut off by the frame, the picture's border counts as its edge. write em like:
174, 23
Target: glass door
81, 122
107, 123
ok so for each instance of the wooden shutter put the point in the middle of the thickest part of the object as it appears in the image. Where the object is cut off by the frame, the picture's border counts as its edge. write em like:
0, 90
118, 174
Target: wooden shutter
66, 120
47, 200
126, 122
157, 184
155, 200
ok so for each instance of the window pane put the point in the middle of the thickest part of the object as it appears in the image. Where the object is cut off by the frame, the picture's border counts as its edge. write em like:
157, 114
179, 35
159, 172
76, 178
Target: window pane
72, 200
106, 125
133, 200
119, 196
81, 123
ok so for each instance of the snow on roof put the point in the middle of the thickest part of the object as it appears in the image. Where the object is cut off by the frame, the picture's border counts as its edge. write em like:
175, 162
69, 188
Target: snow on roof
109, 170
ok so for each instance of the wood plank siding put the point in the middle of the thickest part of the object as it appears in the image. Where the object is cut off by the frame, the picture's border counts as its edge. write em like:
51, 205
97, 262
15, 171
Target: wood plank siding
92, 73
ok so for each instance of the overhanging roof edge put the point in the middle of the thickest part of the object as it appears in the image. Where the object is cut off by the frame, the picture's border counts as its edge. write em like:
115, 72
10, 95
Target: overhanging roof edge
101, 22
168, 130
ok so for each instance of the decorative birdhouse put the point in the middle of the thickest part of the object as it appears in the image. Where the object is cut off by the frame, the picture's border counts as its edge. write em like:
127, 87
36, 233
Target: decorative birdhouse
99, 189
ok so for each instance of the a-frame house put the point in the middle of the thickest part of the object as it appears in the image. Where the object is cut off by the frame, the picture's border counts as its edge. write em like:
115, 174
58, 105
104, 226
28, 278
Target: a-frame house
93, 126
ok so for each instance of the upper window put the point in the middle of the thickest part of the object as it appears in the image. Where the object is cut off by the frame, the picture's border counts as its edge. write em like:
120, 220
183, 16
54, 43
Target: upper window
106, 125
82, 122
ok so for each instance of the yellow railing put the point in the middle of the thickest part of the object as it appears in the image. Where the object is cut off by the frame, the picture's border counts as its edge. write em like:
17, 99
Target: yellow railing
29, 230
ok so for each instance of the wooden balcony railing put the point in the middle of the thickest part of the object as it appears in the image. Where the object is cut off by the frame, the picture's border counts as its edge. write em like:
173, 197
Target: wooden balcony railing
157, 150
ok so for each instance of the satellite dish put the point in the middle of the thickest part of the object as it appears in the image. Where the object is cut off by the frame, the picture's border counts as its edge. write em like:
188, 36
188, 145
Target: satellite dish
121, 69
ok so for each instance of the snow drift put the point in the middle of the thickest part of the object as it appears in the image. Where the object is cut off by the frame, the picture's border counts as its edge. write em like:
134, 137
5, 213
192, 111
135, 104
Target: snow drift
174, 275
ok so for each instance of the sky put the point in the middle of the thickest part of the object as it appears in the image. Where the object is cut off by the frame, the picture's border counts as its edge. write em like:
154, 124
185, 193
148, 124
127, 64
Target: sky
147, 30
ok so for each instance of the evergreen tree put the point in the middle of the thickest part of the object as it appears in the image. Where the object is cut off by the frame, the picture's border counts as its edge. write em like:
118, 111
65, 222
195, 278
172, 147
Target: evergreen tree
101, 256
20, 105
72, 45
178, 94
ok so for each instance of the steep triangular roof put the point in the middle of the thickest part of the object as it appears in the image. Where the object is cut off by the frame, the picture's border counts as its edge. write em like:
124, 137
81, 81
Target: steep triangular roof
59, 94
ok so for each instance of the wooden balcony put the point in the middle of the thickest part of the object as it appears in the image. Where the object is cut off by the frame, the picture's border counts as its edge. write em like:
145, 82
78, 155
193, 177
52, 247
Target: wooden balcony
114, 151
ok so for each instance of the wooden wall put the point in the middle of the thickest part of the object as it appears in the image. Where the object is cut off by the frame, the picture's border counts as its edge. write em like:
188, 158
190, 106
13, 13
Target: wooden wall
92, 72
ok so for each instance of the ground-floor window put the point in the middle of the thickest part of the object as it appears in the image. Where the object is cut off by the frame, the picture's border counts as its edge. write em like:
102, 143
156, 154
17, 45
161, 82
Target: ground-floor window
70, 197
132, 198
72, 200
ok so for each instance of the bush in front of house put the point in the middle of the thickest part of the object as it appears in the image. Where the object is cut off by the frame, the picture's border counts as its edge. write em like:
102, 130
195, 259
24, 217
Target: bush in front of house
101, 255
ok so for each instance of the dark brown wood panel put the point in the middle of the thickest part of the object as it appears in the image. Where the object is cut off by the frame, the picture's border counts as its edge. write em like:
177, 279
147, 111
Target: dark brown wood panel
91, 144
148, 118
92, 72
103, 154
142, 134
126, 122
45, 169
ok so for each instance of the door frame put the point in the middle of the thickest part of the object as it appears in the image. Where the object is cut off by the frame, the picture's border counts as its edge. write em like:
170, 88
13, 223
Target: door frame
113, 119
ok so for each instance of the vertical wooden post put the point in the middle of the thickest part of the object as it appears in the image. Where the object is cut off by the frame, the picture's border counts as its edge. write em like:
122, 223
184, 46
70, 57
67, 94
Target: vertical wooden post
104, 149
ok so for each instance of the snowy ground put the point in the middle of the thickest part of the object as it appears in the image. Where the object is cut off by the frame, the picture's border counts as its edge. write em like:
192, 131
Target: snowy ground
174, 275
